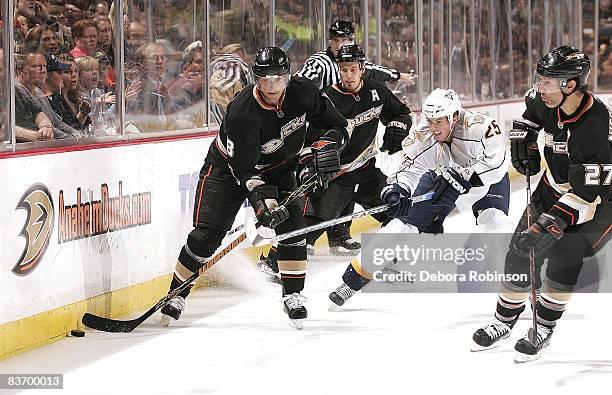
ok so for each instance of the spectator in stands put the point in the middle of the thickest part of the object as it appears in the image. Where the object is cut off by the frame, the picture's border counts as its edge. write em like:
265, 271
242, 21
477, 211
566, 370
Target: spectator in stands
101, 8
105, 33
64, 34
188, 87
154, 97
101, 103
85, 36
43, 91
66, 102
21, 23
34, 11
42, 38
32, 85
74, 14
137, 35
106, 80
32, 123
59, 12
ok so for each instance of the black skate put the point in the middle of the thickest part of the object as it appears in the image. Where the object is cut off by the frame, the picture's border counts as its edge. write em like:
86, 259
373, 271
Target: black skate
294, 307
491, 336
172, 310
269, 268
344, 247
528, 351
340, 296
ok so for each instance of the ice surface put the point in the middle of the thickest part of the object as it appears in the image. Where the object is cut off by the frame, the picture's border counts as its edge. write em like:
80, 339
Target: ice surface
236, 340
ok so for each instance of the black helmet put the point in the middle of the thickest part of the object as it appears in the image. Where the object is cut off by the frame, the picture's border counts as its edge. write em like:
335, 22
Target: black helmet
565, 63
350, 53
271, 61
342, 28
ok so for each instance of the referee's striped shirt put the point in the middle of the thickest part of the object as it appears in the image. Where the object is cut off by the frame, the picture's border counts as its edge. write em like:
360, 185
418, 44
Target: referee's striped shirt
323, 70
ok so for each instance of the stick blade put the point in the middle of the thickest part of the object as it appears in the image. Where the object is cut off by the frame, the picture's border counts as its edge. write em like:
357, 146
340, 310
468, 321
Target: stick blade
108, 324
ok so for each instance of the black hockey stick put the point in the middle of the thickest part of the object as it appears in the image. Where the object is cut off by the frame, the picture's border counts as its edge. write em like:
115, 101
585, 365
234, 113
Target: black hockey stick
532, 266
111, 325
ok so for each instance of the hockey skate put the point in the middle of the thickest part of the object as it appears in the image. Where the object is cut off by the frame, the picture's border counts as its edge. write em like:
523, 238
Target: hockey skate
528, 351
293, 305
491, 336
344, 247
172, 310
269, 268
340, 296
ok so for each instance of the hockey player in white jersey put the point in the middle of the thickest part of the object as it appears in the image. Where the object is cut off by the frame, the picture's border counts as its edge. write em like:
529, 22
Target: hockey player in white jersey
460, 156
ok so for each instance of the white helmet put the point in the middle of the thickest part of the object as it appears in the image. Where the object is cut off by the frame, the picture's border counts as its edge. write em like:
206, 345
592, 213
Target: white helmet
441, 103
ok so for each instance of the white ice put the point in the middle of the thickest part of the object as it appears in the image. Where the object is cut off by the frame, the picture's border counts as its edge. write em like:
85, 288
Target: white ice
235, 340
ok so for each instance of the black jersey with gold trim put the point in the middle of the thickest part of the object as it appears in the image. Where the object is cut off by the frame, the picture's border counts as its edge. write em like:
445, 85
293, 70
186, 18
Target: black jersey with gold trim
258, 139
374, 102
578, 152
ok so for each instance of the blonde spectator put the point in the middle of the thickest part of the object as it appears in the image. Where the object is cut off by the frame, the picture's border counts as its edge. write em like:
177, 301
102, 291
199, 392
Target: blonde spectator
21, 23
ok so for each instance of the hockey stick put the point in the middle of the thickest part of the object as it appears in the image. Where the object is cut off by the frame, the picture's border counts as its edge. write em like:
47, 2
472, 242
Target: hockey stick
111, 325
310, 182
532, 267
261, 241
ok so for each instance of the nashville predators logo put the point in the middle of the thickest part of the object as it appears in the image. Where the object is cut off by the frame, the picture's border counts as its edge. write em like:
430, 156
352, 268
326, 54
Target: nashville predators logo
37, 229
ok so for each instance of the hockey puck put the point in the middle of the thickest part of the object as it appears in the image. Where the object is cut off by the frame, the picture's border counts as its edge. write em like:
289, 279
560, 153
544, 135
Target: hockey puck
77, 333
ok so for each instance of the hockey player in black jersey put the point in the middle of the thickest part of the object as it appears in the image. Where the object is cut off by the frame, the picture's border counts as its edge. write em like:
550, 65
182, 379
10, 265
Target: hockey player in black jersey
571, 205
322, 69
364, 103
255, 156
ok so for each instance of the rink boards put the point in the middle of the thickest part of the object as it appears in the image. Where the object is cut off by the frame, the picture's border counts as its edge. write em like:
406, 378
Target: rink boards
100, 230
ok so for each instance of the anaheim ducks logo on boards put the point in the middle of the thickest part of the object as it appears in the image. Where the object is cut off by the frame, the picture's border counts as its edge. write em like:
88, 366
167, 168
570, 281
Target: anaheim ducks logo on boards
37, 229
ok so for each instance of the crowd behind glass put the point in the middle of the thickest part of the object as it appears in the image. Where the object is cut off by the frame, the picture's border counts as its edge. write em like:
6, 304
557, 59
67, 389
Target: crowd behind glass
175, 56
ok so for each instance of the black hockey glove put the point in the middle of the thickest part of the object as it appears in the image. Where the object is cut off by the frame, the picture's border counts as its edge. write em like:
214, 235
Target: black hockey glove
399, 197
448, 186
524, 148
306, 169
326, 160
540, 236
263, 197
395, 133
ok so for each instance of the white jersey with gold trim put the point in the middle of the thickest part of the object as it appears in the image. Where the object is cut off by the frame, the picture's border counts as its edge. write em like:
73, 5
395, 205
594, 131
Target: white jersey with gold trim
478, 146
